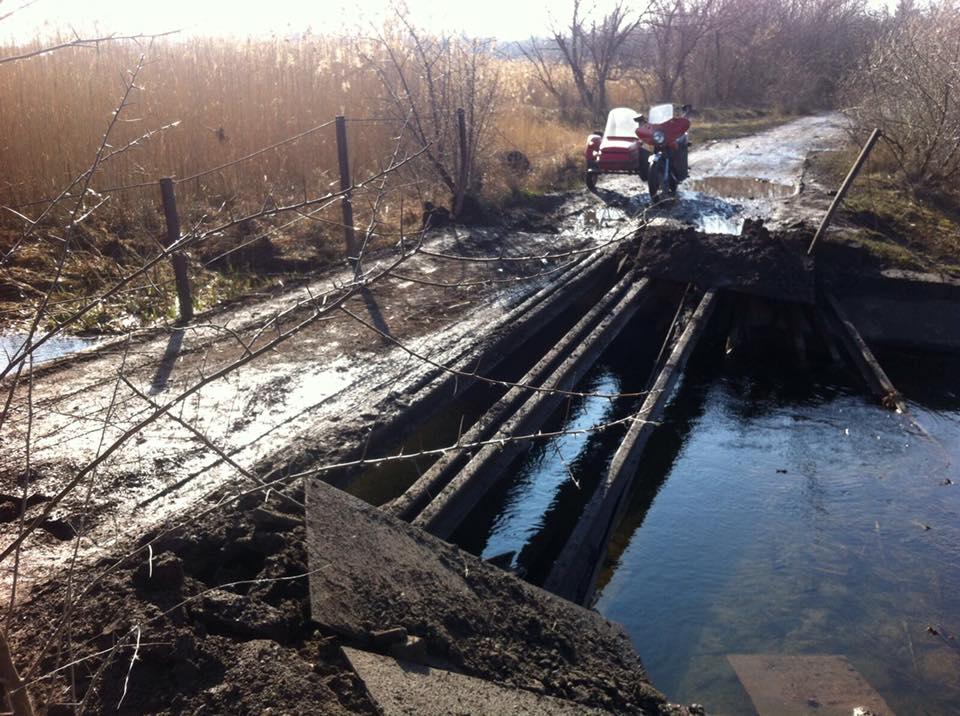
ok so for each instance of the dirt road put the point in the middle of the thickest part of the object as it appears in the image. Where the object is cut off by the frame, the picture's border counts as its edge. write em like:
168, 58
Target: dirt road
762, 176
321, 390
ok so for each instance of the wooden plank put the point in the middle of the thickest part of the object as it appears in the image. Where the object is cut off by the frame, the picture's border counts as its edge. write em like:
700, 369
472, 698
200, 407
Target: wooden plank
519, 325
811, 685
402, 688
432, 482
442, 516
574, 574
863, 357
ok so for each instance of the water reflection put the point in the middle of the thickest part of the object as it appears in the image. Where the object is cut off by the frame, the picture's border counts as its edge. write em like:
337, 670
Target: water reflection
793, 516
59, 345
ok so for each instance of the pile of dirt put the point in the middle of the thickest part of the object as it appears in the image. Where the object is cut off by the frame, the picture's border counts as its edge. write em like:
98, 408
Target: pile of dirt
764, 263
372, 574
215, 617
220, 611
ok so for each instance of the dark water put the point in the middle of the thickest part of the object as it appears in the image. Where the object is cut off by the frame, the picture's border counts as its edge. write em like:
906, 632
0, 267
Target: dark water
780, 511
533, 510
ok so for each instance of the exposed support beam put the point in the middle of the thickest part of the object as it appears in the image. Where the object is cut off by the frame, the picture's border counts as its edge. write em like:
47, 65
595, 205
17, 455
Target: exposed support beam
574, 574
442, 516
518, 326
429, 485
858, 350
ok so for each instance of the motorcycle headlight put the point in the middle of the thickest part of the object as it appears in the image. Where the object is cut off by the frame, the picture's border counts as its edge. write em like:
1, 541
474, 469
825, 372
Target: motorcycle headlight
658, 137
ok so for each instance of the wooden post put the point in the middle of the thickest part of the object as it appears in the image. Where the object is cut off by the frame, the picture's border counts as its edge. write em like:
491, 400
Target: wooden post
842, 192
346, 203
462, 178
178, 259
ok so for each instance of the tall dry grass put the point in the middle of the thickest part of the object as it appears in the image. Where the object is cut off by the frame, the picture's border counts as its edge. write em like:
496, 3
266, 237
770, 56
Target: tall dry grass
230, 99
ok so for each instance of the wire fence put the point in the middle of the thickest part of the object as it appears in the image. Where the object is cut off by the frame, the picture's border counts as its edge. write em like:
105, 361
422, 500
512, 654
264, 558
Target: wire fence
120, 411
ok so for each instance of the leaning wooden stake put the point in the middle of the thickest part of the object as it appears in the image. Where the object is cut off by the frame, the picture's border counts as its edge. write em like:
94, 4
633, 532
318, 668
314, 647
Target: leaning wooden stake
844, 188
13, 686
178, 259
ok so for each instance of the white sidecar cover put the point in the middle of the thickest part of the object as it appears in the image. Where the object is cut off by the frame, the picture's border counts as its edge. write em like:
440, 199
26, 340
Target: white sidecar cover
620, 124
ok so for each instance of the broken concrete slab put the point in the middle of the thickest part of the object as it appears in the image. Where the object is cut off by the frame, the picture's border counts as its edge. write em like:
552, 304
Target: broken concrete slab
401, 688
800, 685
370, 571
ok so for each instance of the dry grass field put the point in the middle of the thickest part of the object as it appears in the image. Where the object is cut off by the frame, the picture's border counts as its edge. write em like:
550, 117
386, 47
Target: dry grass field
202, 103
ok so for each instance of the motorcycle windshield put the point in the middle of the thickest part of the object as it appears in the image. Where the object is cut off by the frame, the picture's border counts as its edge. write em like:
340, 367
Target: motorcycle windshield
620, 123
660, 113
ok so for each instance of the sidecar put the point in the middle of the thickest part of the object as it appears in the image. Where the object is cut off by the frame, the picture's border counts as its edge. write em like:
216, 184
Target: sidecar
618, 150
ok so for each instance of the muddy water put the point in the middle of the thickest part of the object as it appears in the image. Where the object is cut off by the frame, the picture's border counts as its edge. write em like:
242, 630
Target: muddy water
782, 512
741, 187
10, 343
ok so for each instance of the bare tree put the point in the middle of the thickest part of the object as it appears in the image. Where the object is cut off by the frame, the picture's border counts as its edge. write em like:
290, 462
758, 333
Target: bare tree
427, 79
675, 30
909, 88
592, 53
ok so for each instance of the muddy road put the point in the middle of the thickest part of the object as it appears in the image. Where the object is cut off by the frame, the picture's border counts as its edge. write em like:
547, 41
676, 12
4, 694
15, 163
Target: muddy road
763, 176
316, 396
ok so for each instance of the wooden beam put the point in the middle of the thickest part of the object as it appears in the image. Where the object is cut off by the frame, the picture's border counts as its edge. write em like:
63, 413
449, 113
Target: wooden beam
574, 574
862, 356
445, 513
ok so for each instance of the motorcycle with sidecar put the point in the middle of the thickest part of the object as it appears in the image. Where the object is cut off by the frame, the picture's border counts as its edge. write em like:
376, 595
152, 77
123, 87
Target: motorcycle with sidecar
655, 147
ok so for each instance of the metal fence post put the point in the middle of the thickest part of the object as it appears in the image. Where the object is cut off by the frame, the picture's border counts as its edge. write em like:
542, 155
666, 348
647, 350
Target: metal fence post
178, 258
346, 203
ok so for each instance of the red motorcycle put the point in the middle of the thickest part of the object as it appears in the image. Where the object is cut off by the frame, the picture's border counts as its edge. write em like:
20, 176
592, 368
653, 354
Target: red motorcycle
620, 149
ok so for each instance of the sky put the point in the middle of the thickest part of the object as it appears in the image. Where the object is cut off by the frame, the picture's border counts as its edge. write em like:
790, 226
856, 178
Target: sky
504, 19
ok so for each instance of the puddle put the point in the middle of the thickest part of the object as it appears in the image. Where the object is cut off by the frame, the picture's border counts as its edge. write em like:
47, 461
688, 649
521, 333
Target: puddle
733, 187
719, 224
60, 345
782, 512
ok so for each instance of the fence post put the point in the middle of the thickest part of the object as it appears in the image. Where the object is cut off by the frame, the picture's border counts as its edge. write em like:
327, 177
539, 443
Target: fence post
842, 192
462, 178
346, 203
178, 258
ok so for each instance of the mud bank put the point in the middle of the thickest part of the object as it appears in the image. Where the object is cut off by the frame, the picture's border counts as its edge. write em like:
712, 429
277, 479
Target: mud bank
219, 619
888, 305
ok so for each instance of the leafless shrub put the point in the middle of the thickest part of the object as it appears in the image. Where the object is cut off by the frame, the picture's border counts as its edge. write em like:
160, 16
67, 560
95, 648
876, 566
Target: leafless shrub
909, 88
592, 53
427, 78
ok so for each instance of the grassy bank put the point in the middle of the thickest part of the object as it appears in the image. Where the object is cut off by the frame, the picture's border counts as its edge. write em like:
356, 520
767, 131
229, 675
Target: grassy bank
912, 230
